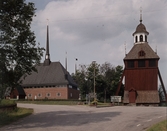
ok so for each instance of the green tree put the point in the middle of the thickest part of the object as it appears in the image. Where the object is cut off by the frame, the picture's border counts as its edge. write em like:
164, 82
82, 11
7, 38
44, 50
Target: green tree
106, 76
107, 71
116, 78
18, 50
81, 80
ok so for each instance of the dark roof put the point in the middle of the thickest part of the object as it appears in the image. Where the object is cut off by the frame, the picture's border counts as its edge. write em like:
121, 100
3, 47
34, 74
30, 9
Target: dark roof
20, 90
53, 74
149, 53
141, 29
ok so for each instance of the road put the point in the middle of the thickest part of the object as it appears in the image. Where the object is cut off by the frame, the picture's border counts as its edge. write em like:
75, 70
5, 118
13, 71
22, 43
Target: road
84, 118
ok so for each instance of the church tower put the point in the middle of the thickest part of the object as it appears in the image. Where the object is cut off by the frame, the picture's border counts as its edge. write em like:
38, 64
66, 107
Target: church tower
141, 71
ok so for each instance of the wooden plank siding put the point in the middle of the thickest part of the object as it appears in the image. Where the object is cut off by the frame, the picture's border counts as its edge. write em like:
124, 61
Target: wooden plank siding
141, 79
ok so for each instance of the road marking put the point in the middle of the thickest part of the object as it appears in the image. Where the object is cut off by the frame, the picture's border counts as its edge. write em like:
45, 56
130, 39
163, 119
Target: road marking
139, 125
149, 120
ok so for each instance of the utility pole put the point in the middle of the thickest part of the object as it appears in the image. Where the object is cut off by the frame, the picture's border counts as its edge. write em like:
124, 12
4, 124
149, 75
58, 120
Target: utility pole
94, 62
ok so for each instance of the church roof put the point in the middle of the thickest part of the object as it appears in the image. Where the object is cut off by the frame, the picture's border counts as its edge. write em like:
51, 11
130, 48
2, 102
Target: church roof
134, 52
51, 75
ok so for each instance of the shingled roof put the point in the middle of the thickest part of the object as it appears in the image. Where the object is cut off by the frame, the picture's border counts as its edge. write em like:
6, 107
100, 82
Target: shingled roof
51, 75
149, 53
140, 29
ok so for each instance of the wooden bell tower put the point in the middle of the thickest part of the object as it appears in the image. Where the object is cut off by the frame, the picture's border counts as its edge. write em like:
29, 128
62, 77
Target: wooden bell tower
141, 71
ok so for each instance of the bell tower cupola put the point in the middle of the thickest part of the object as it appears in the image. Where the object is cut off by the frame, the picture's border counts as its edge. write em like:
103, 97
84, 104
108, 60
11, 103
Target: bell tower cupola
140, 35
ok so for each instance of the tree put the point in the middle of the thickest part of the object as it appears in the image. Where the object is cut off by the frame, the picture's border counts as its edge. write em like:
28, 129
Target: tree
107, 71
18, 51
106, 79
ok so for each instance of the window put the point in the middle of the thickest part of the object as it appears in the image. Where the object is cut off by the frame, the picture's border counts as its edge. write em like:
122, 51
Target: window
130, 64
141, 63
141, 53
71, 94
29, 95
145, 38
70, 86
152, 63
141, 38
136, 39
39, 95
58, 94
48, 94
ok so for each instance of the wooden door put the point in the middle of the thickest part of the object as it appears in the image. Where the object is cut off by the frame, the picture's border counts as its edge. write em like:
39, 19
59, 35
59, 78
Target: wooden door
132, 96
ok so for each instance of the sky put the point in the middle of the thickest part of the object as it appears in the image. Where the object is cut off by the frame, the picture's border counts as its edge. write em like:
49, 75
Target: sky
99, 30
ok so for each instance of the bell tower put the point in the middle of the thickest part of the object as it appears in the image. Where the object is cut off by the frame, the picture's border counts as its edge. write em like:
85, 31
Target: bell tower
141, 71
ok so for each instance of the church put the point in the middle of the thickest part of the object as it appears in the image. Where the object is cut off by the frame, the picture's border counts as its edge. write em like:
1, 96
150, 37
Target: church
51, 81
141, 71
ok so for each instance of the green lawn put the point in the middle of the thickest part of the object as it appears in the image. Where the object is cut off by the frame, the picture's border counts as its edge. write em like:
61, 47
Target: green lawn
162, 126
7, 117
52, 102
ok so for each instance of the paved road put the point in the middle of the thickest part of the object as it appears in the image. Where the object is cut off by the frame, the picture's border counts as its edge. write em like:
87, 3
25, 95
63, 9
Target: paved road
84, 118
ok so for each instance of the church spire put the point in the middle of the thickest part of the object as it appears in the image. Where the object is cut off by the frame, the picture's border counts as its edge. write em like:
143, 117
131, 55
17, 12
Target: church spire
47, 55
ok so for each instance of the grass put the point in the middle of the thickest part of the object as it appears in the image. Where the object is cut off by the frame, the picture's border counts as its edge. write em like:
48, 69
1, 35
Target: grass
162, 126
8, 117
52, 102
61, 102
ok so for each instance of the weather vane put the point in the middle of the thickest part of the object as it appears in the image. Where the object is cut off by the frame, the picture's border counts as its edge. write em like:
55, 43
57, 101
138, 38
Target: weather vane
140, 14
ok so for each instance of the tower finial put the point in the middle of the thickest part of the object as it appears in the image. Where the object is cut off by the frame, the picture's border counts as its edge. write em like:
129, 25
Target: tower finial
47, 22
156, 49
125, 47
140, 14
66, 61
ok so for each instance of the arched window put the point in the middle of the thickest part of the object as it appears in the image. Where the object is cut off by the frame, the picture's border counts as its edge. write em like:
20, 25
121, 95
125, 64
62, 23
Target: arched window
145, 38
136, 39
141, 38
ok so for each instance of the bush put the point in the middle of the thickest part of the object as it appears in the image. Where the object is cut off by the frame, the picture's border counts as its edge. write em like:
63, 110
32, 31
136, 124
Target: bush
5, 102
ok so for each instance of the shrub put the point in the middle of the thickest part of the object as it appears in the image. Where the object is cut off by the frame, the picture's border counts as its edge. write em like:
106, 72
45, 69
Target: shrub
5, 102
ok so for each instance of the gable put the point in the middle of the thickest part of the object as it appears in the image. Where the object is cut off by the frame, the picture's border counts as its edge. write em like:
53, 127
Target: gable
135, 52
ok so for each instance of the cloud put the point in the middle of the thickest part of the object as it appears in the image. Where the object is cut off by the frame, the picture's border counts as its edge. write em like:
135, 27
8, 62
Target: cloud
97, 30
